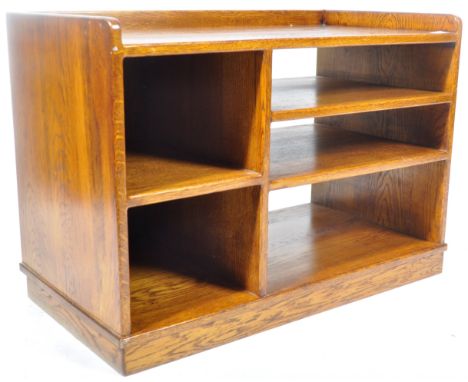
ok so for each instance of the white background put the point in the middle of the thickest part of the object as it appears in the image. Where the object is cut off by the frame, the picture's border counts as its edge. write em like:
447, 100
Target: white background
415, 333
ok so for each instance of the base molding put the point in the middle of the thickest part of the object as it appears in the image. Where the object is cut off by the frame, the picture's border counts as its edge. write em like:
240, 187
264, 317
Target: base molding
135, 353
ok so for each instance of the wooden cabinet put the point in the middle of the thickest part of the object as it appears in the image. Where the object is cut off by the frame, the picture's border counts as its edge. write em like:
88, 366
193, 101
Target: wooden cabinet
145, 160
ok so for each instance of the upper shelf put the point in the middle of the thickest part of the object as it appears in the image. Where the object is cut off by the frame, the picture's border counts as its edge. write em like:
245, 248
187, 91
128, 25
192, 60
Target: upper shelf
295, 98
141, 41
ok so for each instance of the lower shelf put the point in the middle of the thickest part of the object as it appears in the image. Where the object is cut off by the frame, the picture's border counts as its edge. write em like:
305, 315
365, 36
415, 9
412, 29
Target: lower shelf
311, 243
307, 244
162, 297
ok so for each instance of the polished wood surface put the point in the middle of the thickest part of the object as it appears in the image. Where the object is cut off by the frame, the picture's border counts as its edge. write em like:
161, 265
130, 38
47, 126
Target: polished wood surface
423, 126
142, 42
311, 243
211, 231
145, 159
64, 116
162, 297
152, 179
295, 98
198, 107
155, 348
88, 331
409, 200
159, 33
319, 153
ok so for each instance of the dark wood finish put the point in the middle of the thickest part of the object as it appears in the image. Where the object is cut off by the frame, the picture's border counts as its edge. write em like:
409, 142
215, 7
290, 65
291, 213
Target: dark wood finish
311, 243
295, 98
144, 166
409, 200
318, 153
66, 159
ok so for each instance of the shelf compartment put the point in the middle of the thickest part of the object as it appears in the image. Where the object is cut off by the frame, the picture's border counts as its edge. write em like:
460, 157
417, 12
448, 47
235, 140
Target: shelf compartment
195, 256
307, 97
311, 243
193, 124
317, 153
153, 179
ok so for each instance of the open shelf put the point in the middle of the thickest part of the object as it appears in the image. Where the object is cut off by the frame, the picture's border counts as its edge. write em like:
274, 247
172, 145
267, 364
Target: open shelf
311, 243
152, 179
155, 237
295, 98
317, 153
161, 297
193, 257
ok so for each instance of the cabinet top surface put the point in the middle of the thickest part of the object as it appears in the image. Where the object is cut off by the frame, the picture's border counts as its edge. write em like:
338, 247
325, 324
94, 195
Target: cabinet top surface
178, 32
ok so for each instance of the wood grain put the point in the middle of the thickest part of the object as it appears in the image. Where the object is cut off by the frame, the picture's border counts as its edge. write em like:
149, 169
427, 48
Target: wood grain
423, 126
169, 293
220, 232
152, 179
197, 107
421, 66
295, 98
84, 328
169, 113
409, 200
318, 153
155, 348
64, 111
311, 243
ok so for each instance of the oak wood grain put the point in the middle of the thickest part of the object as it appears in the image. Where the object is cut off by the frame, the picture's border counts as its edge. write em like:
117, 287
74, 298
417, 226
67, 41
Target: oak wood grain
197, 107
423, 126
219, 231
409, 200
420, 66
66, 156
144, 165
152, 179
166, 295
97, 338
318, 153
310, 243
157, 347
295, 98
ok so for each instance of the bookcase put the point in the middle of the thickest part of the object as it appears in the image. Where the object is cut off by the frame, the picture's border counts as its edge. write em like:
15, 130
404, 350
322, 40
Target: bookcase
145, 160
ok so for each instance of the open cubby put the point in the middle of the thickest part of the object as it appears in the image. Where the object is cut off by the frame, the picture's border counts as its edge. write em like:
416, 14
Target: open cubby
192, 257
192, 124
146, 161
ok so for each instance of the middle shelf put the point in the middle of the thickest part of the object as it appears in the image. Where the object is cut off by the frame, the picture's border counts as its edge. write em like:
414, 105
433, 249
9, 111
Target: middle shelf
315, 153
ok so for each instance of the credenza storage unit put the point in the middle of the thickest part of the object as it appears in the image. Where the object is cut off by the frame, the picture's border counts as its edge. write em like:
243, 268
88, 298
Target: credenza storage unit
145, 160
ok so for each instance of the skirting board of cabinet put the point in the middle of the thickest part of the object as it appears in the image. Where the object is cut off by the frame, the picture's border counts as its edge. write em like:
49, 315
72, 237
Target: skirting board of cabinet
135, 353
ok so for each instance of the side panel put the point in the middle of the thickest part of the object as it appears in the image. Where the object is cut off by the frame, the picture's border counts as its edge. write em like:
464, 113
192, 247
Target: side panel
62, 72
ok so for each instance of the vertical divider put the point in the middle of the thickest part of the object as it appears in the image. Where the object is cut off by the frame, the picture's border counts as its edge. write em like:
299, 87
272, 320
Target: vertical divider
263, 115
